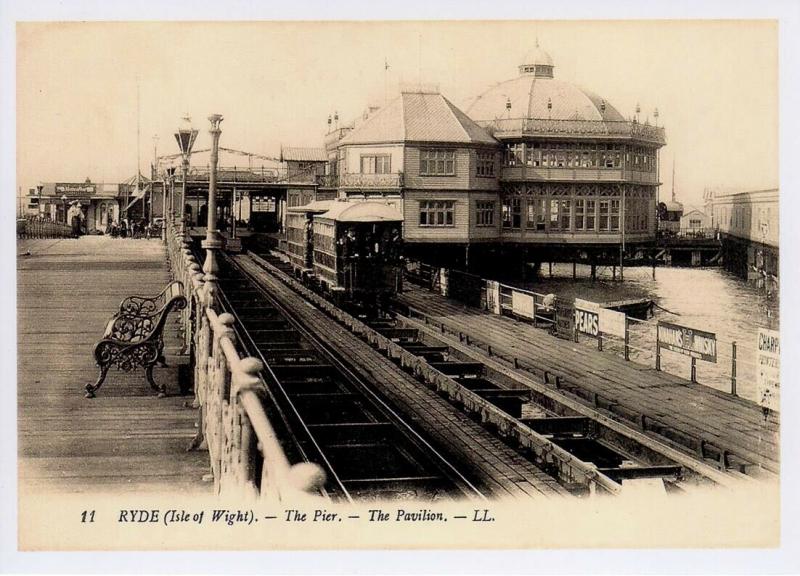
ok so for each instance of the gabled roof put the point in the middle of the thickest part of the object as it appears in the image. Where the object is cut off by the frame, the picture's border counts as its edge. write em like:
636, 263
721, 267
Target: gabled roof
419, 117
304, 155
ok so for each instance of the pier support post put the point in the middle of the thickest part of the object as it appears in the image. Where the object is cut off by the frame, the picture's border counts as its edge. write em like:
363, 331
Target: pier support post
627, 352
594, 271
574, 270
613, 272
733, 368
550, 265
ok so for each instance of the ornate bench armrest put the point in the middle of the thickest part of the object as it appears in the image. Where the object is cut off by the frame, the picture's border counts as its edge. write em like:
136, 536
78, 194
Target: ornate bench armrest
149, 305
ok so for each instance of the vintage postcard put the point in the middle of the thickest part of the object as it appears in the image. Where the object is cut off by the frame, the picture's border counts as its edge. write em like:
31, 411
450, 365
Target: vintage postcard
407, 285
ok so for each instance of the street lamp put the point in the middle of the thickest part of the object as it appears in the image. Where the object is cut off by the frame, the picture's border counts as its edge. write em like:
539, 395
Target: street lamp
213, 242
185, 136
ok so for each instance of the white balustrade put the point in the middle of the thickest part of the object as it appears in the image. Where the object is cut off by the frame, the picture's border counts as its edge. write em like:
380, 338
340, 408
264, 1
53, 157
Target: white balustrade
246, 456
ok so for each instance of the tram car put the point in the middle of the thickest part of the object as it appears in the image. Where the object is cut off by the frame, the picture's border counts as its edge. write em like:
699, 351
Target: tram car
300, 234
357, 252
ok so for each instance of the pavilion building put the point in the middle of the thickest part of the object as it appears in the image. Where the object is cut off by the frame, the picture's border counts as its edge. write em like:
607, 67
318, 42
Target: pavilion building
537, 169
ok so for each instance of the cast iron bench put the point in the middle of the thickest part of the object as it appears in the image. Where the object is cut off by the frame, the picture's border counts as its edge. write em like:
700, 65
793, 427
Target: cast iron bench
135, 336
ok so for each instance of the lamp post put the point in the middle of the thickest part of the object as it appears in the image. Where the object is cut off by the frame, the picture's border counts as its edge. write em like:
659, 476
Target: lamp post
185, 136
213, 242
64, 203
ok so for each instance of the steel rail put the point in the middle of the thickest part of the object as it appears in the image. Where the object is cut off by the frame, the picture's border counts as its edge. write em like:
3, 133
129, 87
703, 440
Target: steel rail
365, 388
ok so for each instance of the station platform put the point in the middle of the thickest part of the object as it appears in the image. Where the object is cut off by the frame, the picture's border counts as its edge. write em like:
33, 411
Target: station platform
686, 411
126, 440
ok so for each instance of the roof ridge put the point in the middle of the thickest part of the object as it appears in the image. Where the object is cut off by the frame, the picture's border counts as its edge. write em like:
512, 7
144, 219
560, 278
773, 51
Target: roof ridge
449, 105
403, 115
530, 97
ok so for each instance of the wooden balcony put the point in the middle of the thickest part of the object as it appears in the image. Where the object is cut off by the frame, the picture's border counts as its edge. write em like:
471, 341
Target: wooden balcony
518, 127
371, 181
543, 173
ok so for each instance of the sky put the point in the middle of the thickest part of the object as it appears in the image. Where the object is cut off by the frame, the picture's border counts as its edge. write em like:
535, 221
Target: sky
715, 84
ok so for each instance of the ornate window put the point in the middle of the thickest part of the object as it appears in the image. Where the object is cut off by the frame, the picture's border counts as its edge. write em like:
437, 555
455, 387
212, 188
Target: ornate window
484, 213
580, 206
533, 154
437, 162
514, 154
439, 213
485, 164
512, 212
554, 214
615, 214
566, 214
604, 213
376, 164
590, 214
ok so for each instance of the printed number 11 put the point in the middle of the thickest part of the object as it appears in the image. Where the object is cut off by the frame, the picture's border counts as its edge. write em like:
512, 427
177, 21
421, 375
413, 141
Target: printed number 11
87, 514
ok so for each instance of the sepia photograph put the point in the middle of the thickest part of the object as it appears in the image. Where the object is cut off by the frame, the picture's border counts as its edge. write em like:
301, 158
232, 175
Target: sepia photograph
397, 284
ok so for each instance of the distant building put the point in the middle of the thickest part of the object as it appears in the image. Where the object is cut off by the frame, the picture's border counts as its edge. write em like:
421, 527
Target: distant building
695, 222
99, 202
749, 224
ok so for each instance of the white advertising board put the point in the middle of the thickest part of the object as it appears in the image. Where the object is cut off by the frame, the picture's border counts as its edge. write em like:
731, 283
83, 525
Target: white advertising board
493, 296
768, 368
522, 304
612, 322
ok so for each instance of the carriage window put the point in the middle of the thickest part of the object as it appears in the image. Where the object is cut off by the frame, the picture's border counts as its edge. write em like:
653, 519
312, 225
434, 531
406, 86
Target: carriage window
484, 213
437, 213
376, 164
437, 163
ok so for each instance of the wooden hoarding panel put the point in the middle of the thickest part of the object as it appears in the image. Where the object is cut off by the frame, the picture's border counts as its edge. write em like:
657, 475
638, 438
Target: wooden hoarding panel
522, 304
687, 341
768, 368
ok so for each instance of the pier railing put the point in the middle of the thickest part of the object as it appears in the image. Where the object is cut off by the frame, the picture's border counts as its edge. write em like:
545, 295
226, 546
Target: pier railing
734, 365
35, 227
246, 456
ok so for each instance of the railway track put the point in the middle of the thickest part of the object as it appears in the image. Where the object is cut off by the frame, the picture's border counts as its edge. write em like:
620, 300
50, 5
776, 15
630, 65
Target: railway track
335, 418
580, 447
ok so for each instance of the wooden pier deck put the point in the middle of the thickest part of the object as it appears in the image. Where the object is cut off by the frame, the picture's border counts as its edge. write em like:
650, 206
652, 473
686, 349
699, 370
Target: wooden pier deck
720, 419
126, 440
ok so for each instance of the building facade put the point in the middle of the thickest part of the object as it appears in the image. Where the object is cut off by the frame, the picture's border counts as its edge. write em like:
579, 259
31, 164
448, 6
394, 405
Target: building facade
749, 226
535, 163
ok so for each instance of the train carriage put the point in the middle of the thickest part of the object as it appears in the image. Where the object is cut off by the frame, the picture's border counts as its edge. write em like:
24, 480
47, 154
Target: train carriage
299, 232
357, 251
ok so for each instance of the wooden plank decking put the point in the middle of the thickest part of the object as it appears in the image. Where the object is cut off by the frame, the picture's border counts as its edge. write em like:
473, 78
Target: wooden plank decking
726, 421
126, 439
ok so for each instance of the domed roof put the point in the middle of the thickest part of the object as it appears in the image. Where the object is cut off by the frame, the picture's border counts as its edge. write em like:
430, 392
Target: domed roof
537, 56
536, 93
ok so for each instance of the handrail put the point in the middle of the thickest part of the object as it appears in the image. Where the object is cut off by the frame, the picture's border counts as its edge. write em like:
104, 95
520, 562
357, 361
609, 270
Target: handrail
34, 227
246, 456
740, 361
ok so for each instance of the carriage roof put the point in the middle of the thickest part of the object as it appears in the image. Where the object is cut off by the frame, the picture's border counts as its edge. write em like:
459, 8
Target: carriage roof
315, 207
366, 211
